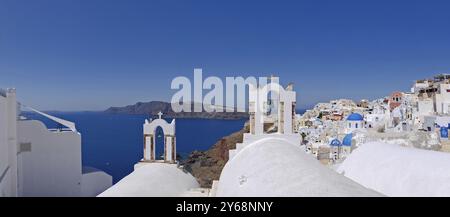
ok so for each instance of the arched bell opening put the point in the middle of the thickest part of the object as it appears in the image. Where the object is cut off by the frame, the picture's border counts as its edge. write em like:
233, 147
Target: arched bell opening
159, 144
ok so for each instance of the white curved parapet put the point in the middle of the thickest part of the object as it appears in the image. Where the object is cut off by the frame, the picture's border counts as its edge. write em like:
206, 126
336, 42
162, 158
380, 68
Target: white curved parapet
153, 180
274, 167
395, 170
94, 182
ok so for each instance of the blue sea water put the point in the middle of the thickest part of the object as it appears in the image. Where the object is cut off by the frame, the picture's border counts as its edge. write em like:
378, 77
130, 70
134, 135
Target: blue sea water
114, 142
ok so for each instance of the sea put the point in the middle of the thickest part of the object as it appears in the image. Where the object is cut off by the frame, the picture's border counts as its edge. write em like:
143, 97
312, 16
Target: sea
114, 142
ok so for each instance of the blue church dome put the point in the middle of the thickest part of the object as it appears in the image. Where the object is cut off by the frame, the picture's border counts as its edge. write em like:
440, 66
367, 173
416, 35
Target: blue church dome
444, 132
355, 117
347, 141
335, 142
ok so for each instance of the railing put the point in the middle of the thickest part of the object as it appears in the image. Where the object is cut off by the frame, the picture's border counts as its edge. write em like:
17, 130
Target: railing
3, 174
63, 123
60, 130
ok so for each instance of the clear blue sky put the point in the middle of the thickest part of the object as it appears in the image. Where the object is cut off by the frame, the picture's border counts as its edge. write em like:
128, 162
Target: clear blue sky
92, 54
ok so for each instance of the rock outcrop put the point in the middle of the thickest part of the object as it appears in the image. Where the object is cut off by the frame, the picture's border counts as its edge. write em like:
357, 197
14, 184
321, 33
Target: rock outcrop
206, 166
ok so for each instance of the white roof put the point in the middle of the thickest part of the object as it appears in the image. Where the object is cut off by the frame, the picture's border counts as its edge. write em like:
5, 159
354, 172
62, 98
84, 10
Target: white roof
275, 167
153, 180
410, 171
318, 144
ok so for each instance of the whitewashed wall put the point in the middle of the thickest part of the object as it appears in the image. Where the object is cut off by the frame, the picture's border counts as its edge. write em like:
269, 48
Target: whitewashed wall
8, 136
443, 99
3, 146
53, 166
94, 182
37, 162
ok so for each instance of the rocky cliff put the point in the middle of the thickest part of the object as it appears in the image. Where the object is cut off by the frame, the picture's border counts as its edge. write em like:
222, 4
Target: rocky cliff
206, 166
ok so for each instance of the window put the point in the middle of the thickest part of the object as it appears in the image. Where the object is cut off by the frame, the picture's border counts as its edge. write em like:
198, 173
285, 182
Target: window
356, 125
25, 147
349, 125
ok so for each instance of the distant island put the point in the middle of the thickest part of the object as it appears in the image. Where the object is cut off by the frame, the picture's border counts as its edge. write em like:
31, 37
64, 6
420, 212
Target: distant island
153, 107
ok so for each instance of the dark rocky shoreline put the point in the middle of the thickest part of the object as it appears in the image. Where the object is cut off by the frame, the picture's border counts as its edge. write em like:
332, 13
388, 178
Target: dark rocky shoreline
206, 166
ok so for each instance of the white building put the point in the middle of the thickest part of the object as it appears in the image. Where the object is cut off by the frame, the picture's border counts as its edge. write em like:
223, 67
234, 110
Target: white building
354, 121
425, 107
8, 143
41, 161
419, 85
431, 122
335, 149
376, 120
442, 98
433, 95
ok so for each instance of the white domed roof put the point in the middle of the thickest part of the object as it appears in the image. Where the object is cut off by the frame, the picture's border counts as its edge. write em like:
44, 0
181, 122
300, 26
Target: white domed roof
151, 180
412, 172
275, 167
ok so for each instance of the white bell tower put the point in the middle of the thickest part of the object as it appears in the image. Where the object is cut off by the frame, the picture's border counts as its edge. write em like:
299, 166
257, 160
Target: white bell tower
150, 127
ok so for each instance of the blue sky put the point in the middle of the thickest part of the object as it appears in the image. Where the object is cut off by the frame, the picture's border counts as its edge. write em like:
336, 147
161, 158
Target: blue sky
92, 54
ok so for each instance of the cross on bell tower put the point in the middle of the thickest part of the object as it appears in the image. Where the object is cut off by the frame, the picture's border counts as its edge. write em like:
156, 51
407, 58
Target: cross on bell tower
160, 114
